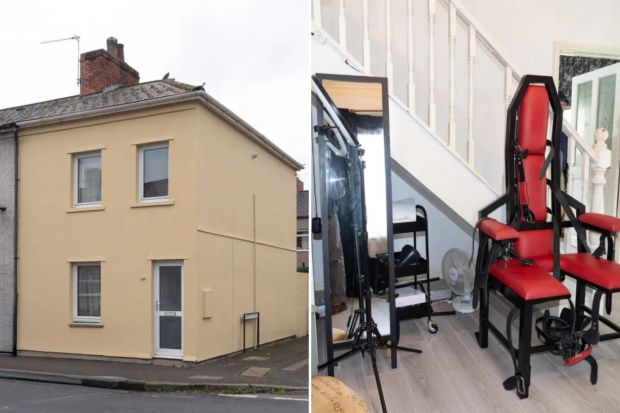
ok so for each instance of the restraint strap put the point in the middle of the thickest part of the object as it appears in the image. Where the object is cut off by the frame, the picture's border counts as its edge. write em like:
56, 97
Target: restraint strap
546, 164
592, 336
515, 380
526, 213
600, 250
496, 250
581, 233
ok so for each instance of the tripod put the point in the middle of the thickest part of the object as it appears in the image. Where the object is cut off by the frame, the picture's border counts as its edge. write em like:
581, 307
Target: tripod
366, 336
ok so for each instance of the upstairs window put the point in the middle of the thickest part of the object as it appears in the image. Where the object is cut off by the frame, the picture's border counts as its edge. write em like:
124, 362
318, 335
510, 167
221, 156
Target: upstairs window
87, 178
153, 179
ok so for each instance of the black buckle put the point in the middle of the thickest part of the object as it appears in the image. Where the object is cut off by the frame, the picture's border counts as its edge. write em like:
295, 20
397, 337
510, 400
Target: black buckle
521, 390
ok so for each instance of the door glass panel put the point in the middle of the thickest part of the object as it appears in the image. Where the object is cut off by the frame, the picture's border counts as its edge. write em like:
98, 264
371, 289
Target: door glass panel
584, 106
170, 332
170, 288
605, 117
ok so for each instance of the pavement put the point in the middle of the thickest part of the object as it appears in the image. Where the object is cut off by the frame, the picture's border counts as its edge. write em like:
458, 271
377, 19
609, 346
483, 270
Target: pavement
280, 368
29, 397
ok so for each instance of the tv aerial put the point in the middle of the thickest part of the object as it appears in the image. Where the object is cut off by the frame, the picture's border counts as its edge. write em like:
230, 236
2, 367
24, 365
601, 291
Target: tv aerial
77, 40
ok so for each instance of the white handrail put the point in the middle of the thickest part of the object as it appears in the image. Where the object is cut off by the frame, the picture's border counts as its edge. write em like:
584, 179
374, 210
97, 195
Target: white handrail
476, 35
579, 142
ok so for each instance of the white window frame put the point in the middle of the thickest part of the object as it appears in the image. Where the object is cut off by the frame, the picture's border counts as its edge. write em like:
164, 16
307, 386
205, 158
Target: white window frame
141, 150
302, 234
74, 293
76, 178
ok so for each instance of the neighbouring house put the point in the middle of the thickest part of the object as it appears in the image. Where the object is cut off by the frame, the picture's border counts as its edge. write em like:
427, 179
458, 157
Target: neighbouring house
150, 220
302, 227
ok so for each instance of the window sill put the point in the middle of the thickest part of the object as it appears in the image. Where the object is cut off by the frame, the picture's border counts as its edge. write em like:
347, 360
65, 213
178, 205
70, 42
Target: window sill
163, 202
85, 209
87, 325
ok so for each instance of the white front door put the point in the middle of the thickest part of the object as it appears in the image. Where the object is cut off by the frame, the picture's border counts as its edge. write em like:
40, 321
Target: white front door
168, 277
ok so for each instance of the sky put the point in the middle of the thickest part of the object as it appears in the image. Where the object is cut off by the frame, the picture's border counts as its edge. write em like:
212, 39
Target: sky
252, 55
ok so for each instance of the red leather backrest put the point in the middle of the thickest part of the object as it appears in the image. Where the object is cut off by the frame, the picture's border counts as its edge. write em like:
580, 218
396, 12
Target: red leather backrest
533, 118
535, 243
532, 135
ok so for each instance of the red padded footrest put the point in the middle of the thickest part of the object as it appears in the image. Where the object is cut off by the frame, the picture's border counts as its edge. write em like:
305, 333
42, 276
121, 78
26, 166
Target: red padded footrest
528, 282
606, 222
497, 231
600, 272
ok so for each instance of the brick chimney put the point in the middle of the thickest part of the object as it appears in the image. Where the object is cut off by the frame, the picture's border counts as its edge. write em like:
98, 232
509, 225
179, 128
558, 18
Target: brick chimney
103, 68
300, 185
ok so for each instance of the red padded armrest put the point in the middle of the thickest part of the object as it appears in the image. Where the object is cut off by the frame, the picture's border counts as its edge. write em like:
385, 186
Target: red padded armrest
606, 222
497, 231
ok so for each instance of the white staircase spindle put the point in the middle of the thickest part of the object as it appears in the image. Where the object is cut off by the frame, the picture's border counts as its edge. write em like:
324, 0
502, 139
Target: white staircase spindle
569, 236
452, 46
366, 41
507, 86
342, 26
585, 177
410, 77
389, 65
431, 66
601, 164
471, 148
571, 165
317, 13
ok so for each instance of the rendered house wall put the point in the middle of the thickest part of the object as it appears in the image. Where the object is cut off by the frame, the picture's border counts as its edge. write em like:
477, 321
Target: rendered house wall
7, 233
222, 195
125, 238
246, 239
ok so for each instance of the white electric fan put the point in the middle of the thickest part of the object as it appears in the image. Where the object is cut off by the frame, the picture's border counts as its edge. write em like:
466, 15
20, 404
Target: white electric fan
459, 277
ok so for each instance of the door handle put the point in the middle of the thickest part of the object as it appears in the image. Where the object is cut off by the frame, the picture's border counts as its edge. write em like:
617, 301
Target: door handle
156, 305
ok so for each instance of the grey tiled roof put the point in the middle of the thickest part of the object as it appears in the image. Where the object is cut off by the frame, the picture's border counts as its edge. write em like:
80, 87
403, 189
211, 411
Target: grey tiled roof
302, 204
76, 104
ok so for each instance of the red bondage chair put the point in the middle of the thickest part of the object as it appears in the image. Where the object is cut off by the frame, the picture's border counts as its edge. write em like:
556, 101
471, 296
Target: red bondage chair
521, 259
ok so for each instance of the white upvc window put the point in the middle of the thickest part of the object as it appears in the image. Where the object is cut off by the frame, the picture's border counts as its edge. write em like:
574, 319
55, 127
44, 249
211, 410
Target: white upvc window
87, 292
87, 179
153, 172
302, 241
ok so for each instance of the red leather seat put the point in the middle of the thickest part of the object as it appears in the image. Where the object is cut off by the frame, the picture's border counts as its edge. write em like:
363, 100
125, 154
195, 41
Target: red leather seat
528, 282
596, 271
497, 230
611, 224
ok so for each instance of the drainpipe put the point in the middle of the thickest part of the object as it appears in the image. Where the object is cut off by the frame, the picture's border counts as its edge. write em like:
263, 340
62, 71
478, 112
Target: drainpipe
15, 231
7, 129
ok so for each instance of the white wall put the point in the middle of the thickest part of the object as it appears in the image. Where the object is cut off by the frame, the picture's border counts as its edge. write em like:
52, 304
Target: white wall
444, 233
527, 29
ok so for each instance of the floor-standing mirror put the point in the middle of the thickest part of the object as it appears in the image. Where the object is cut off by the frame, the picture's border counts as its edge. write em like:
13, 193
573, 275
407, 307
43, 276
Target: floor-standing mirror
352, 232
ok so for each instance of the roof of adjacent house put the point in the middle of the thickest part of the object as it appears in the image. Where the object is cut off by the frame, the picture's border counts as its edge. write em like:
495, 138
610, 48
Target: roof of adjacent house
117, 99
302, 204
78, 104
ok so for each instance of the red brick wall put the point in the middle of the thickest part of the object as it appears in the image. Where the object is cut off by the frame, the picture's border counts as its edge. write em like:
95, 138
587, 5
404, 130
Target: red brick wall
99, 69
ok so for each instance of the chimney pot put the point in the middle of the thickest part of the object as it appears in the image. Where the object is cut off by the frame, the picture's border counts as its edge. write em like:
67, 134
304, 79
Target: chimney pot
112, 46
120, 51
100, 69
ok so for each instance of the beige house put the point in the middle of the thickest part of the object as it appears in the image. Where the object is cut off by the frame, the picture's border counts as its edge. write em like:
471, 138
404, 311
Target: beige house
151, 219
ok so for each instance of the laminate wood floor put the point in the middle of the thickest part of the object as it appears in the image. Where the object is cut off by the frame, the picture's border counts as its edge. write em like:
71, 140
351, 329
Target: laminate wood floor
453, 374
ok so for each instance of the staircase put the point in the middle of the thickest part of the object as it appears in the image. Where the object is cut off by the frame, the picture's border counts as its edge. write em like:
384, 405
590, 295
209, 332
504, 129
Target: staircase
446, 120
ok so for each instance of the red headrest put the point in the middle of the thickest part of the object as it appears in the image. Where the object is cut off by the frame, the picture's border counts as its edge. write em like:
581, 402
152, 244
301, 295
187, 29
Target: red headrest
533, 118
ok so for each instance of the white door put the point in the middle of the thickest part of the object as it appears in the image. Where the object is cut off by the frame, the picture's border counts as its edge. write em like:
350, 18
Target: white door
595, 103
168, 277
